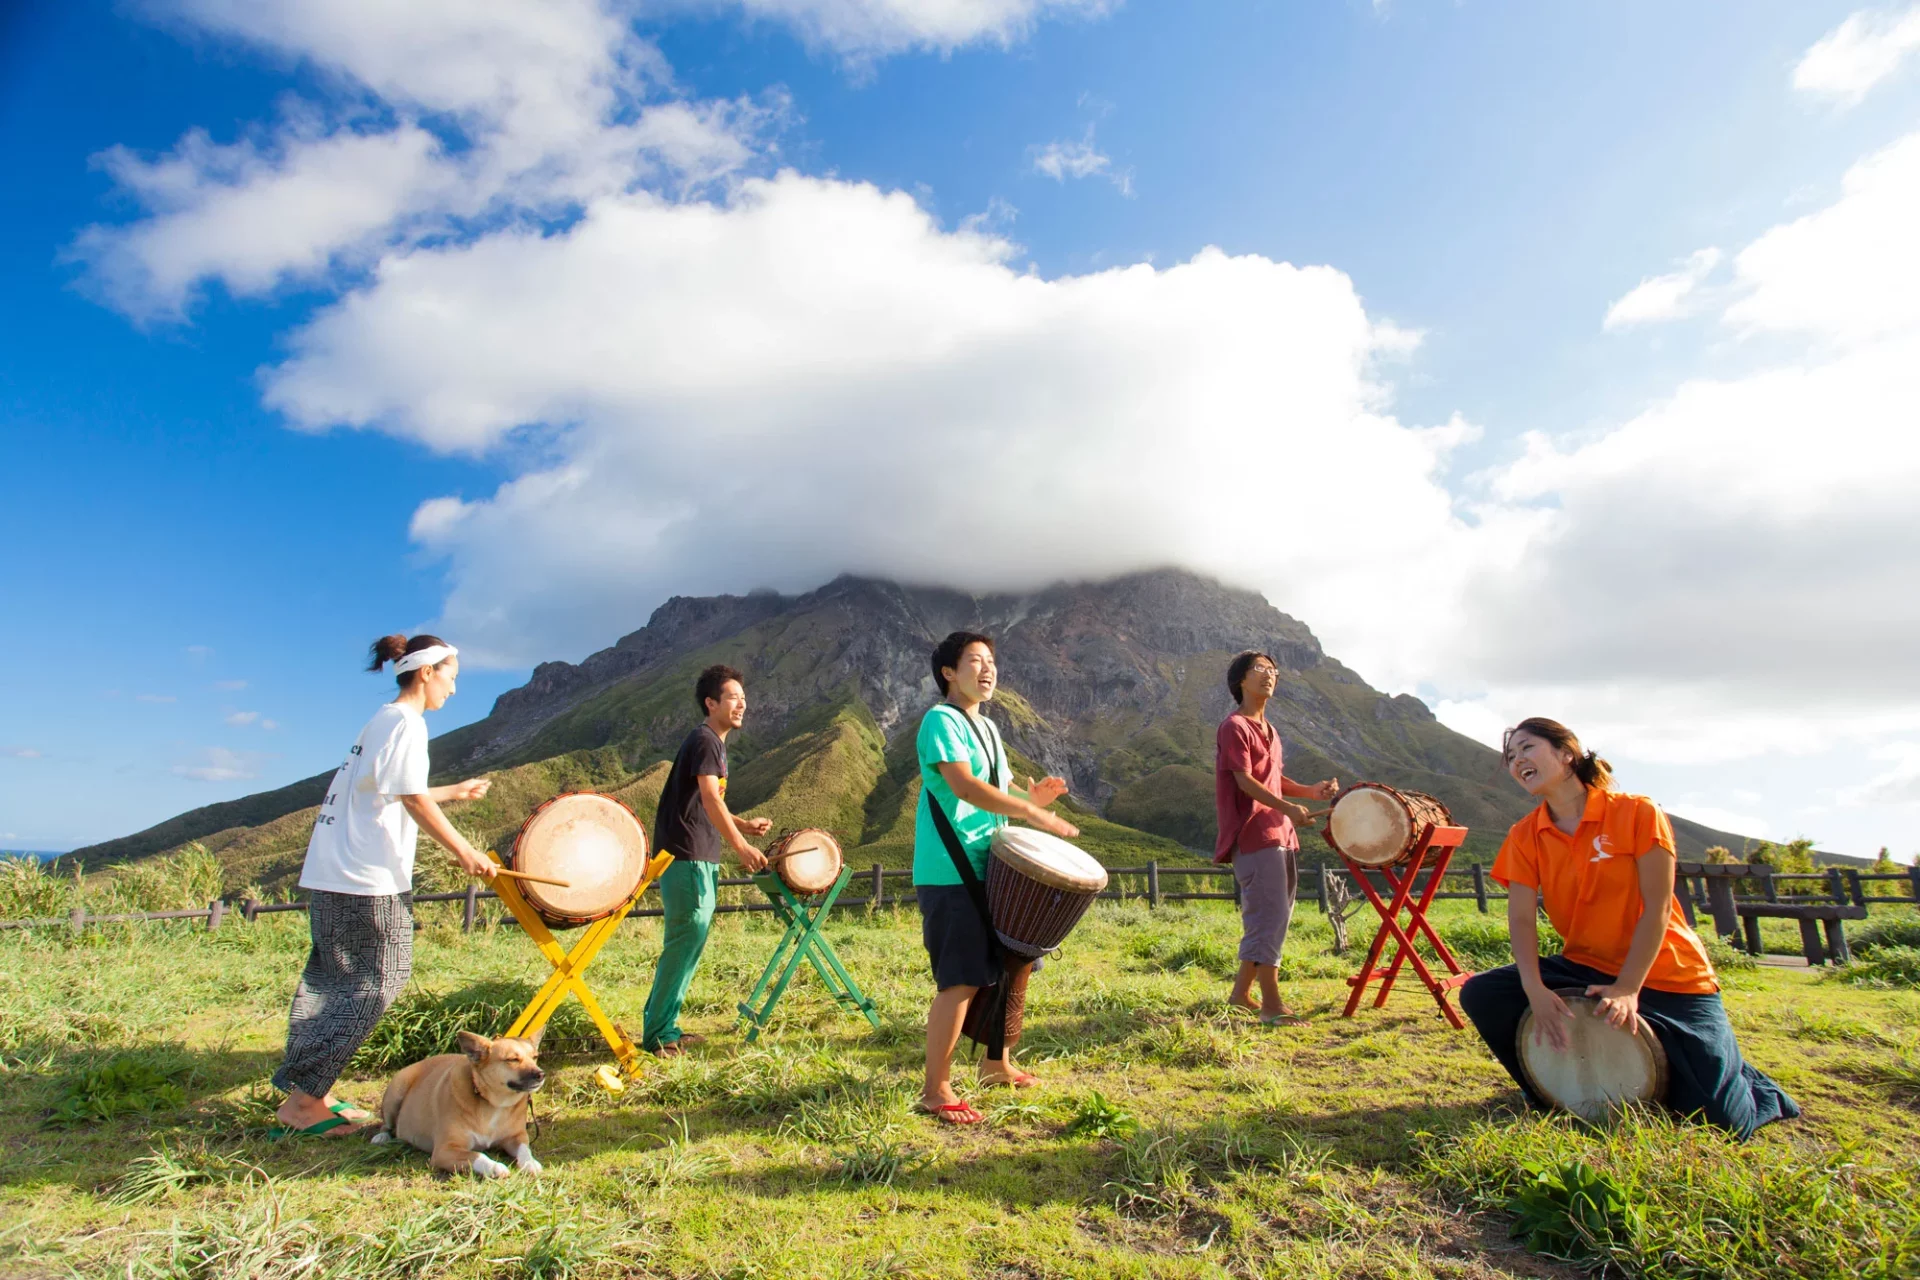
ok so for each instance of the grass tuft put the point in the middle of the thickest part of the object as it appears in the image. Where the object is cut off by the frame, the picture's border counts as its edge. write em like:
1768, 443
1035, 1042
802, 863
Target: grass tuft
1885, 967
423, 1023
141, 1082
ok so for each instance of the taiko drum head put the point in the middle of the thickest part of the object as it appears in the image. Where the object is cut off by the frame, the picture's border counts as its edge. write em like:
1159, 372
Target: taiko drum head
1602, 1065
807, 862
1048, 860
591, 841
1377, 825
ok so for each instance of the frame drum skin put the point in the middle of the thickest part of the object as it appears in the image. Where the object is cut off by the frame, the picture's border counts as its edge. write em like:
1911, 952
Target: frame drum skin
1377, 825
807, 861
1603, 1066
589, 840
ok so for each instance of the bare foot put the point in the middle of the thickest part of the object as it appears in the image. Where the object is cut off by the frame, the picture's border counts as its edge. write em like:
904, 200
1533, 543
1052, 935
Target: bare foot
1243, 1002
303, 1111
1012, 1075
347, 1111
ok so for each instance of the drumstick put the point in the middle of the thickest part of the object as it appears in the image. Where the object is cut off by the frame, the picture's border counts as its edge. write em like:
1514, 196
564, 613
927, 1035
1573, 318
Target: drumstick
521, 875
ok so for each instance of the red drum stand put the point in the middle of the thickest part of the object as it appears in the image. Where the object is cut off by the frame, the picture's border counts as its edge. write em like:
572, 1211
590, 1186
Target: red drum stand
1435, 843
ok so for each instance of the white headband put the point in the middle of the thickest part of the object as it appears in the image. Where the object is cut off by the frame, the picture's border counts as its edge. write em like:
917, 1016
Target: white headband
427, 657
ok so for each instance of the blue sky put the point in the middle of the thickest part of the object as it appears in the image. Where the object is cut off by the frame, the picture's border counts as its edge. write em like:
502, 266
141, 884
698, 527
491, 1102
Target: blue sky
230, 465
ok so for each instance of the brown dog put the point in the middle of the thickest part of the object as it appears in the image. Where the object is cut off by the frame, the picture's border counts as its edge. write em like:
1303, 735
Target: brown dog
457, 1105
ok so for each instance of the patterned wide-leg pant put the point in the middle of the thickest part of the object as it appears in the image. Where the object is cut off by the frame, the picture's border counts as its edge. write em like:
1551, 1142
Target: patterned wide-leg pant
362, 956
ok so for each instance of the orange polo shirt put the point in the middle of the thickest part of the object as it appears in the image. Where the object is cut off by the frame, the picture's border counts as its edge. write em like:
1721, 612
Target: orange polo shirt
1589, 883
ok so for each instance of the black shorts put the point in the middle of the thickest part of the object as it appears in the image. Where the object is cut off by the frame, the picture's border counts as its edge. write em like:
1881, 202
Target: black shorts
955, 937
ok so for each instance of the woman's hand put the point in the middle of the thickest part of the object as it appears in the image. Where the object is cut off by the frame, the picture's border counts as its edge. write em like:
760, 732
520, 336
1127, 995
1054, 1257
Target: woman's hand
473, 862
471, 789
1619, 1005
1044, 791
1551, 1018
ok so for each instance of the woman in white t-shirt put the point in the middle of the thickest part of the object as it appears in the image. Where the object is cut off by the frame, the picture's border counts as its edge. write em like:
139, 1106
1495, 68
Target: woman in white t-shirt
359, 874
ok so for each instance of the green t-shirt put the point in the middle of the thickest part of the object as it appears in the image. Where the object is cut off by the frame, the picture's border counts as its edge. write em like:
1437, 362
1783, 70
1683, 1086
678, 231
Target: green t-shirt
945, 738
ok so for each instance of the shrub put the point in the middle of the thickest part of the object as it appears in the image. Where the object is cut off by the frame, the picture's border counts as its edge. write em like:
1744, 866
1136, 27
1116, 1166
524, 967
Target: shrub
187, 878
1572, 1211
423, 1023
136, 1083
1886, 931
29, 891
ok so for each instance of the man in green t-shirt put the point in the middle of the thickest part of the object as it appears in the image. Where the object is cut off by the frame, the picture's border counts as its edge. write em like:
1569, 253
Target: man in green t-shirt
963, 769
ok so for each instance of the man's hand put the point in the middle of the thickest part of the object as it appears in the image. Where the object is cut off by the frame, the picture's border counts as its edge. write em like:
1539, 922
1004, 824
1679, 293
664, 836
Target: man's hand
1302, 816
1058, 826
1551, 1018
1324, 790
751, 858
1619, 1006
754, 826
1044, 791
471, 789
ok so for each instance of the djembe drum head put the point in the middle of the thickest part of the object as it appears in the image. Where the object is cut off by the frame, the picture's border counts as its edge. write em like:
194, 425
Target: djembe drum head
1602, 1065
807, 862
1378, 826
591, 841
1038, 887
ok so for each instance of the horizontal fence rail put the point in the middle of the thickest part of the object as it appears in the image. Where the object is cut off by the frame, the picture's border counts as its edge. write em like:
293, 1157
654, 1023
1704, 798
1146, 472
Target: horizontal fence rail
1701, 887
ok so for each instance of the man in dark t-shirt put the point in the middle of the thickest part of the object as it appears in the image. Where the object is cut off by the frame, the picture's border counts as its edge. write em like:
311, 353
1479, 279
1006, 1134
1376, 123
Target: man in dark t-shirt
692, 824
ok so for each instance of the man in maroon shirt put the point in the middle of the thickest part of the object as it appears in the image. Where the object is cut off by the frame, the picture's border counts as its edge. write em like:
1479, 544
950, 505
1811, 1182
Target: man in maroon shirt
1257, 836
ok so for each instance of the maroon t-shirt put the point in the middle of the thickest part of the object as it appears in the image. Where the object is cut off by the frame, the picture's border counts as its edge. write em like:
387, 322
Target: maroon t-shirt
1251, 746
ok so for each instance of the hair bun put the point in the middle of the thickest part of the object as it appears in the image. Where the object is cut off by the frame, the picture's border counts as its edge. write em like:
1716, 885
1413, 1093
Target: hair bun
384, 650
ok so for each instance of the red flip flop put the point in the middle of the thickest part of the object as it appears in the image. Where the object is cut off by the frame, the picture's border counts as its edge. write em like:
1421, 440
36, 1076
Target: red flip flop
953, 1113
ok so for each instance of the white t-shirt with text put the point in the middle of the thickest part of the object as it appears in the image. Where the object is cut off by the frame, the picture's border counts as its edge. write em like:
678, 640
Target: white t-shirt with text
364, 839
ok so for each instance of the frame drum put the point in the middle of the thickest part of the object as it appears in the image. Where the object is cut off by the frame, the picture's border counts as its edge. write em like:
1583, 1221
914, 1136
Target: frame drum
1602, 1067
807, 861
1038, 887
1379, 826
591, 841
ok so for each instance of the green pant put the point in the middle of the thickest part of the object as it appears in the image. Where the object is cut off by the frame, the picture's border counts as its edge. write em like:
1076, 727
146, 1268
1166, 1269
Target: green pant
688, 892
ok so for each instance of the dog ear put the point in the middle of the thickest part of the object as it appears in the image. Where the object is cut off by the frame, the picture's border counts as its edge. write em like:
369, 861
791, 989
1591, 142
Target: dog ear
534, 1039
475, 1047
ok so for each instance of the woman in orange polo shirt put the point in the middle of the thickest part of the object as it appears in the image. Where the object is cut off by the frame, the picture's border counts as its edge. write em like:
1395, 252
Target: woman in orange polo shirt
1602, 863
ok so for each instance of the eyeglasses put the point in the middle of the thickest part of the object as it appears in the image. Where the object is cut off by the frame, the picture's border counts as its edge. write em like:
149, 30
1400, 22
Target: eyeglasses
1262, 669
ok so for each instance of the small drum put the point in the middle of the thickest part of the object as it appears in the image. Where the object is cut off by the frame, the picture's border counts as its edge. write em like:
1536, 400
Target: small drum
1602, 1067
1038, 887
1377, 826
807, 861
591, 841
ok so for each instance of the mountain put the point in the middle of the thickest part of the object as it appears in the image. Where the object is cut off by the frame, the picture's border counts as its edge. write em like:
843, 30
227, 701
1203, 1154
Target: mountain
1116, 686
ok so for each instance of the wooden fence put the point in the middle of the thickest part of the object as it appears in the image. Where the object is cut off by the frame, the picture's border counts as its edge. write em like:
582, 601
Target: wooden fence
1704, 887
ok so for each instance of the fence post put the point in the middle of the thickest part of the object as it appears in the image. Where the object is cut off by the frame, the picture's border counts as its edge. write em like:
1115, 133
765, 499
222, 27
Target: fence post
1480, 889
249, 909
879, 884
470, 909
1153, 882
1726, 920
1913, 876
216, 911
78, 919
1855, 889
1325, 908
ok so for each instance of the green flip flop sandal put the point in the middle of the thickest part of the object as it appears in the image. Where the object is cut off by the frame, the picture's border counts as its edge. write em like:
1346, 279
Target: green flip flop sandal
279, 1131
341, 1108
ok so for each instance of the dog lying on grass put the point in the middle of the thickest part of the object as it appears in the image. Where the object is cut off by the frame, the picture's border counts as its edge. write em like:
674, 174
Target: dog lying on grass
457, 1106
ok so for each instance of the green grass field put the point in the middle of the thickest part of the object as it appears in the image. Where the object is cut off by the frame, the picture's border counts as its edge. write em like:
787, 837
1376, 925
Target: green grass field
1170, 1137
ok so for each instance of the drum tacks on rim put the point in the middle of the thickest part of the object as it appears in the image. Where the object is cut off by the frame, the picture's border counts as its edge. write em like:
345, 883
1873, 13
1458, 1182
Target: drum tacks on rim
1038, 887
1380, 826
591, 841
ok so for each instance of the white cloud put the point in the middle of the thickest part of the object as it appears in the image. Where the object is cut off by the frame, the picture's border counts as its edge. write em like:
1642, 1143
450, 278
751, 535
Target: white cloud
1664, 297
239, 719
862, 29
1899, 784
21, 753
218, 764
1706, 813
449, 115
1082, 159
1858, 54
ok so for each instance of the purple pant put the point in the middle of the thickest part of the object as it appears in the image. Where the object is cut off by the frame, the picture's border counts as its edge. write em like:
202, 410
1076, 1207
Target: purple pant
1268, 879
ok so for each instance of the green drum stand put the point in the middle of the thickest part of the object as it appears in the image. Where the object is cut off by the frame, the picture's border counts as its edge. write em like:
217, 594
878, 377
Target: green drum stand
803, 938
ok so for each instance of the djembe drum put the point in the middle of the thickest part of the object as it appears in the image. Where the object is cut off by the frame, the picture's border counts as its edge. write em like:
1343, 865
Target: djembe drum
807, 861
1380, 826
1038, 887
1602, 1065
590, 841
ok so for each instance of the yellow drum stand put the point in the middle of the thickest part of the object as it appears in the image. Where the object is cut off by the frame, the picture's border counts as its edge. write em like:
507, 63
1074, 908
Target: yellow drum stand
570, 966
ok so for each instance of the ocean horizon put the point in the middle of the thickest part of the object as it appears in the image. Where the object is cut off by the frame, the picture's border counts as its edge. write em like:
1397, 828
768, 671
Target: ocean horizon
44, 855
